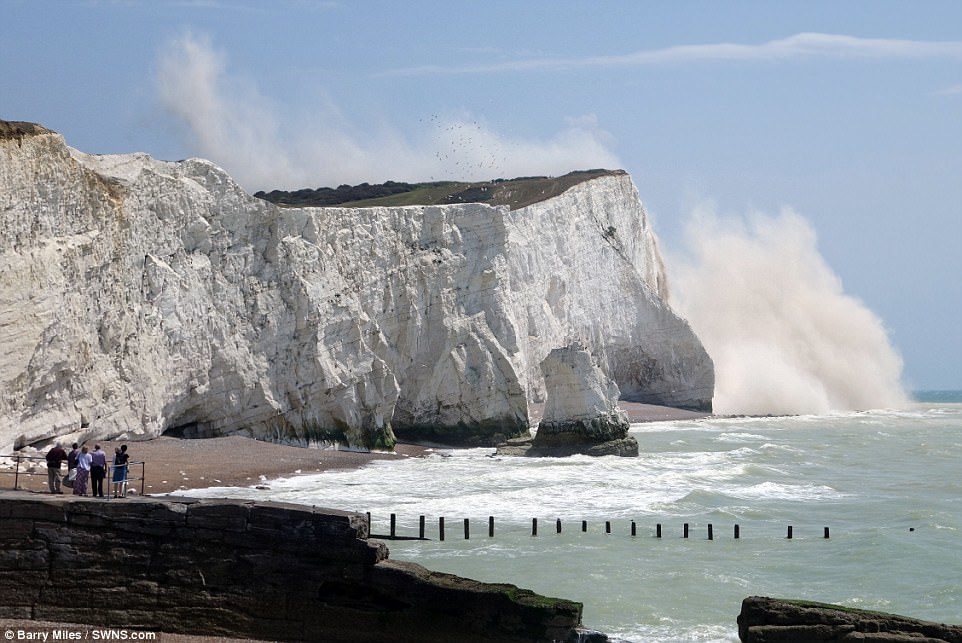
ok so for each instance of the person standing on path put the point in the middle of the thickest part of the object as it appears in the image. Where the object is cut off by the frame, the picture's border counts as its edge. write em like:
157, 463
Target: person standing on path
72, 458
98, 471
120, 471
83, 473
55, 458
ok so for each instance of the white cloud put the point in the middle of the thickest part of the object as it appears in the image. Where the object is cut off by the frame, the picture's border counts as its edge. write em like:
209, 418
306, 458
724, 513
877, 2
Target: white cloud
802, 45
951, 90
232, 123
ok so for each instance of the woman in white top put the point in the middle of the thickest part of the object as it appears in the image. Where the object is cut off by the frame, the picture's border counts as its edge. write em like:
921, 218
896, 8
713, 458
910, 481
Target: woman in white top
83, 473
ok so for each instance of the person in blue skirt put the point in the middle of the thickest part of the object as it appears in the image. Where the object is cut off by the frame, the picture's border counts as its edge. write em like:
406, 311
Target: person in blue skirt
120, 471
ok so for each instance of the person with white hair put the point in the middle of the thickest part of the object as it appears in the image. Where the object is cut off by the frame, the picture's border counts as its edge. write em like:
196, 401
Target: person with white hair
55, 458
83, 472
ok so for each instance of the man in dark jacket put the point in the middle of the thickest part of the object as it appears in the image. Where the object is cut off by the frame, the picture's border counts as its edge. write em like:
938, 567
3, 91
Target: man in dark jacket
55, 458
72, 458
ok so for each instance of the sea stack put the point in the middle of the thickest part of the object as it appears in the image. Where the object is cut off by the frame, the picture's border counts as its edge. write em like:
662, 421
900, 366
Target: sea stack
580, 414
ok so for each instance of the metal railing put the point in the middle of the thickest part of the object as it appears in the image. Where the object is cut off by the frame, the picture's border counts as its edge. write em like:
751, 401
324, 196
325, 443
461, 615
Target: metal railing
127, 479
19, 458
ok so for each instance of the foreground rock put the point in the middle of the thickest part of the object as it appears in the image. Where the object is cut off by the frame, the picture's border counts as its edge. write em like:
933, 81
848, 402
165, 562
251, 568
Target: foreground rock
770, 620
580, 415
141, 297
246, 569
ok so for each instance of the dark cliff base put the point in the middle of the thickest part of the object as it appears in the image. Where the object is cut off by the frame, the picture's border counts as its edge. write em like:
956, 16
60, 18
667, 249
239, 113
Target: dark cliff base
244, 569
767, 620
487, 433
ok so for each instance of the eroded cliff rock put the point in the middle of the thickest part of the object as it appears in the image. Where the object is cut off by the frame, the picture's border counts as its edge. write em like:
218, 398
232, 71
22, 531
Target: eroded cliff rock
140, 296
581, 414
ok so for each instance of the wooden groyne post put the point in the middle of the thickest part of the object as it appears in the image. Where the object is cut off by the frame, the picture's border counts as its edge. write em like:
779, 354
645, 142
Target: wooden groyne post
633, 528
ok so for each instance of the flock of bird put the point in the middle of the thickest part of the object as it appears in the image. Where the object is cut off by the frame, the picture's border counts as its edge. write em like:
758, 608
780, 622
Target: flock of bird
458, 151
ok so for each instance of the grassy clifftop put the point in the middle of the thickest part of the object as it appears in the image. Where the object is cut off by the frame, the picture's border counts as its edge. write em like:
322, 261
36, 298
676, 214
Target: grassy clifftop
515, 193
20, 129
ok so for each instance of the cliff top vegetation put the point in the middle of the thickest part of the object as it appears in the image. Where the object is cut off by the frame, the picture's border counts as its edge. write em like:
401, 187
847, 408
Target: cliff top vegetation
20, 129
515, 193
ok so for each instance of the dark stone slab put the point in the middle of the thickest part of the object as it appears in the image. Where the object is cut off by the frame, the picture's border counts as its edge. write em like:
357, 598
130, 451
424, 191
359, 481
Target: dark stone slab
246, 569
219, 516
770, 620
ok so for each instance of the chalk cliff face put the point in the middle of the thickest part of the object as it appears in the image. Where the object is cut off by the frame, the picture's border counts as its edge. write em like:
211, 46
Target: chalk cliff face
139, 296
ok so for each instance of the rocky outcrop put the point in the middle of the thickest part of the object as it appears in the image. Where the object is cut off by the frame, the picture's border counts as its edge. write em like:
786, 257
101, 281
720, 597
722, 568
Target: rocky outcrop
767, 620
581, 413
245, 569
139, 296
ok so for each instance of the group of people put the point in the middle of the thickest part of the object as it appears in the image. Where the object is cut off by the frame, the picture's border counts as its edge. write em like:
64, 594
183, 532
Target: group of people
84, 466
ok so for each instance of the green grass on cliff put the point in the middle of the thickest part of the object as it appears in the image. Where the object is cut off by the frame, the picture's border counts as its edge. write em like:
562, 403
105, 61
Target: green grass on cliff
514, 193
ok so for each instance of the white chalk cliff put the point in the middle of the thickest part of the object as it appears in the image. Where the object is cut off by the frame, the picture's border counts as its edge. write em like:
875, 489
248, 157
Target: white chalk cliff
140, 296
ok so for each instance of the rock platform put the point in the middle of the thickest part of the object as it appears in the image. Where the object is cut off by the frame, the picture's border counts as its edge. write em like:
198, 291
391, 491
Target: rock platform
246, 569
770, 620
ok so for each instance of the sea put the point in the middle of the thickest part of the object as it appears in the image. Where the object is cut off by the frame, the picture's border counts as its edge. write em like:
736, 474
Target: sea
886, 483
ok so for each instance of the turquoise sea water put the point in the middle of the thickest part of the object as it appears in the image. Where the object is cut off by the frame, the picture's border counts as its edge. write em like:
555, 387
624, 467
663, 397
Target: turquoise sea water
887, 483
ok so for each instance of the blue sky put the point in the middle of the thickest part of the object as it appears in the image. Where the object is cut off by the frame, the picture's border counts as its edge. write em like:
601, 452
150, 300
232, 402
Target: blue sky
848, 113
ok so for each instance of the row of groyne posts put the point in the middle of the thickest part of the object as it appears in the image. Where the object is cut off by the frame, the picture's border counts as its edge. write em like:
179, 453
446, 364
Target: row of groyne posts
658, 532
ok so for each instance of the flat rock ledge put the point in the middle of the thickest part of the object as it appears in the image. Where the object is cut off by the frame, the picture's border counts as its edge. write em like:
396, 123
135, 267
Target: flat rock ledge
268, 571
767, 620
